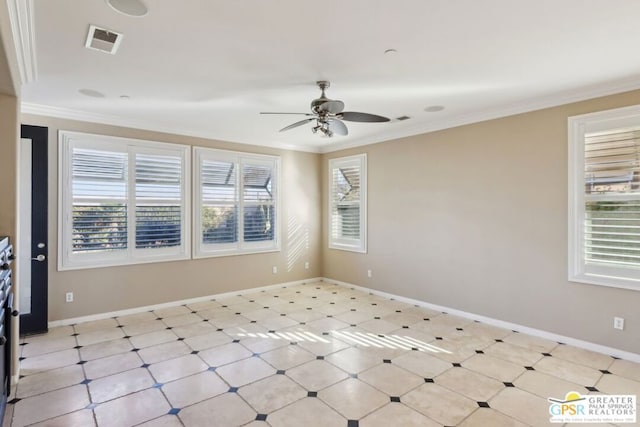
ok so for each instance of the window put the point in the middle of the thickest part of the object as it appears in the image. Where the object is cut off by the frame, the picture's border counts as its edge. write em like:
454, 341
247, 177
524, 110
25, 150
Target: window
604, 192
237, 203
348, 203
121, 201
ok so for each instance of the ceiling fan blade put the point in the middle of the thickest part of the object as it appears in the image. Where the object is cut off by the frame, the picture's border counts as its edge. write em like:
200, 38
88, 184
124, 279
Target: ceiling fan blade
296, 124
303, 114
353, 116
333, 107
337, 127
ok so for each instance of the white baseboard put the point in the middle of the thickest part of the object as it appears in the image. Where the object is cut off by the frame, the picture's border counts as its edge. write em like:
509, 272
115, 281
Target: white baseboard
634, 357
135, 310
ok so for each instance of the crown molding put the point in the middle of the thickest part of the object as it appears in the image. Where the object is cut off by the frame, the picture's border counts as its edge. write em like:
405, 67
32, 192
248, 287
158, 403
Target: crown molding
23, 30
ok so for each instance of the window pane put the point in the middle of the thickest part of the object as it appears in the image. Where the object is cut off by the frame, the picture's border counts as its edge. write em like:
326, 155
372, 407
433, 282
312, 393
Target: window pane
346, 221
218, 182
612, 162
99, 227
219, 224
258, 223
256, 181
346, 184
612, 232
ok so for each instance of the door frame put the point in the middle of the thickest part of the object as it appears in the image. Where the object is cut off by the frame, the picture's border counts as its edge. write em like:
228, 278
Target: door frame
37, 320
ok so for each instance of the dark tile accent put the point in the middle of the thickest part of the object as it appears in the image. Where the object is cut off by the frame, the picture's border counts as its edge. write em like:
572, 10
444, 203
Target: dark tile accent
479, 352
332, 303
320, 357
353, 309
252, 300
439, 338
233, 389
373, 303
224, 306
282, 314
75, 335
405, 327
173, 411
426, 319
238, 313
547, 354
459, 329
325, 333
428, 380
395, 399
303, 323
591, 388
293, 343
272, 331
265, 307
314, 297
82, 362
14, 401
255, 355
376, 318
135, 349
329, 315
85, 382
126, 336
169, 327
291, 302
157, 385
529, 368
353, 375
91, 406
353, 325
483, 405
280, 372
386, 361
261, 417
180, 339
21, 358
414, 349
219, 330
353, 297
398, 311
158, 318
193, 312
507, 384
499, 340
212, 369
353, 423
195, 352
380, 335
78, 347
253, 321
205, 320
235, 341
604, 371
309, 308
456, 365
145, 365
24, 343
312, 394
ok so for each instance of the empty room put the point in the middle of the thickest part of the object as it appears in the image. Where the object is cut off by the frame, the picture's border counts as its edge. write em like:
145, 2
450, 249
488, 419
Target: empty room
292, 213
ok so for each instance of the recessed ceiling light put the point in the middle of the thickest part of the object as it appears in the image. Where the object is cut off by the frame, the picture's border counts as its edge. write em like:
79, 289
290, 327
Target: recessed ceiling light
92, 93
390, 51
129, 7
434, 108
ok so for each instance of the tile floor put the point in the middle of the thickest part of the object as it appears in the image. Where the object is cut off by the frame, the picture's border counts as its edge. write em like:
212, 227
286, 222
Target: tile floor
307, 355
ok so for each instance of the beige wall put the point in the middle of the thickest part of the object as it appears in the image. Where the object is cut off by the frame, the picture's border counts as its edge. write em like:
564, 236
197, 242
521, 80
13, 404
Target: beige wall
116, 288
475, 218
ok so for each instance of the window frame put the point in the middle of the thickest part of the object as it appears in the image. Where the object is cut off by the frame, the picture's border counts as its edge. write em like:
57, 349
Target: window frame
578, 269
131, 255
241, 247
348, 244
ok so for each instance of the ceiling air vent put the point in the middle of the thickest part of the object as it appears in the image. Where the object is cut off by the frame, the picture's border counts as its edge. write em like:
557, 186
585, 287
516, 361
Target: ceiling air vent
103, 40
402, 118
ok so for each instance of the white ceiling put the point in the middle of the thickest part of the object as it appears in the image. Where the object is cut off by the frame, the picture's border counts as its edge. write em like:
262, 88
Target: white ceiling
208, 67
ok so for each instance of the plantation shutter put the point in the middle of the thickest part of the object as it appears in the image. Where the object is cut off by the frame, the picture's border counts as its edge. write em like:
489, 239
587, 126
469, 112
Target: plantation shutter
219, 202
258, 202
347, 206
99, 200
612, 198
159, 203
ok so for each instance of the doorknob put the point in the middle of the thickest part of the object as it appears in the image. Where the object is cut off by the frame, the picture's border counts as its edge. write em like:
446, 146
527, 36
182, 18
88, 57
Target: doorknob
39, 258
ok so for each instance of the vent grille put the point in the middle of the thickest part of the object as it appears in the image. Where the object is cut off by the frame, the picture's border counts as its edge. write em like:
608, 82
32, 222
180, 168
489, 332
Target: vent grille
103, 40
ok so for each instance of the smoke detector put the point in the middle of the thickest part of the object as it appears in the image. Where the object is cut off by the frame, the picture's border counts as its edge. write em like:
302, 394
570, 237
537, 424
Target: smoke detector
103, 40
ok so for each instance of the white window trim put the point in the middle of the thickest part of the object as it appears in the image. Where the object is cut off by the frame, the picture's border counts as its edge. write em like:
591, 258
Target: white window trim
201, 250
131, 255
579, 271
352, 245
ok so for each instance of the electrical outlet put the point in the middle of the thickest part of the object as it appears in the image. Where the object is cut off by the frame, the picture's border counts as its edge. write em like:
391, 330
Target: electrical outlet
68, 297
618, 323
306, 265
274, 269
369, 273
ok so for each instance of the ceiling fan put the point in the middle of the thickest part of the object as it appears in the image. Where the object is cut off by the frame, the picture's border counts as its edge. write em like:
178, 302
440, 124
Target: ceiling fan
328, 115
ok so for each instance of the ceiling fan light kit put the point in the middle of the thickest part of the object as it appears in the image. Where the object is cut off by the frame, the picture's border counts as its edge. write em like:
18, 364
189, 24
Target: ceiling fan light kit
329, 115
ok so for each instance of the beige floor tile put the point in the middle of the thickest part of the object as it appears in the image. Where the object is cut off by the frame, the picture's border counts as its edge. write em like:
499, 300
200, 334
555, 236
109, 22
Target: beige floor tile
134, 329
490, 418
112, 365
354, 360
287, 357
182, 320
137, 318
118, 385
391, 379
471, 384
208, 340
493, 367
203, 305
625, 368
153, 338
325, 346
309, 411
568, 371
95, 325
164, 421
260, 314
104, 349
193, 329
45, 344
224, 354
8, 416
172, 311
193, 389
403, 319
523, 406
162, 352
421, 363
50, 405
231, 300
272, 393
225, 410
397, 414
49, 380
450, 320
45, 362
467, 339
353, 317
379, 326
451, 351
353, 399
327, 324
278, 323
583, 357
81, 418
174, 369
483, 330
316, 375
216, 313
264, 342
440, 404
546, 386
58, 331
100, 335
245, 371
417, 339
133, 409
532, 343
228, 322
243, 332
614, 384
513, 353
